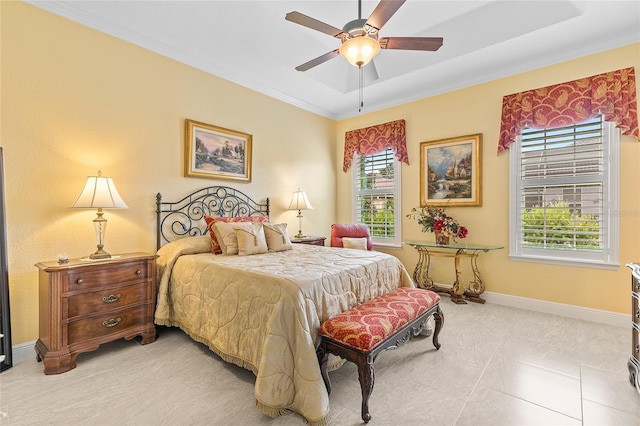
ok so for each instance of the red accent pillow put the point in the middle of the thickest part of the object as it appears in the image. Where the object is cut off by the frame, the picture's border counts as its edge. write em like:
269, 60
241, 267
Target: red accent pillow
368, 324
215, 245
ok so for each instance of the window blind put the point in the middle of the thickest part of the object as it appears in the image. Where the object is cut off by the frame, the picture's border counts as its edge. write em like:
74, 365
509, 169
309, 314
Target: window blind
562, 178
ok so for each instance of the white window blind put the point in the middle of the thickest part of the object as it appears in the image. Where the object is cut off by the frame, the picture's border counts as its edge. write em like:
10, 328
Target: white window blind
562, 200
376, 195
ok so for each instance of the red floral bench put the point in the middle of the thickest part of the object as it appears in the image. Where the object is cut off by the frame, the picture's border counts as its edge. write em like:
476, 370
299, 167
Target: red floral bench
386, 322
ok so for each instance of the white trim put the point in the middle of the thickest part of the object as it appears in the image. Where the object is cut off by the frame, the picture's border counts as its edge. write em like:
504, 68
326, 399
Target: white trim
23, 352
553, 308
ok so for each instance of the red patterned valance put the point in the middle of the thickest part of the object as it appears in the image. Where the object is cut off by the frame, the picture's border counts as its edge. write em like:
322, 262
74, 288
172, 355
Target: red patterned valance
371, 140
612, 93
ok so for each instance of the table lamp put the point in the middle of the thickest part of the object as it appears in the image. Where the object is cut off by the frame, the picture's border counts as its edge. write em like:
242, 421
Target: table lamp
300, 202
99, 192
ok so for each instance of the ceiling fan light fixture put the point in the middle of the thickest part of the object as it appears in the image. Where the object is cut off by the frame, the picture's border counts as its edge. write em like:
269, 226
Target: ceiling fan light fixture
359, 51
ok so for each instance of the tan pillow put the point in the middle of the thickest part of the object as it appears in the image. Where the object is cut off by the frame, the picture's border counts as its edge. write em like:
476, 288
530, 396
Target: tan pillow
354, 243
277, 236
210, 220
226, 236
251, 239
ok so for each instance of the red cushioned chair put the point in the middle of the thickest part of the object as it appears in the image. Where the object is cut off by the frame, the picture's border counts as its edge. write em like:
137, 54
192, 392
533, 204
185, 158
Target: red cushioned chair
339, 231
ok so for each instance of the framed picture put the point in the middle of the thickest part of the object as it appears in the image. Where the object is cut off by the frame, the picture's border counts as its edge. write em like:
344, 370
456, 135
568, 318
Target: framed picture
451, 171
216, 153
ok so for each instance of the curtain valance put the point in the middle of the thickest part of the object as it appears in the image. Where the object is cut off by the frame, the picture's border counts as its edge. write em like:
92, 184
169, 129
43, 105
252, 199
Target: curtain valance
370, 140
612, 94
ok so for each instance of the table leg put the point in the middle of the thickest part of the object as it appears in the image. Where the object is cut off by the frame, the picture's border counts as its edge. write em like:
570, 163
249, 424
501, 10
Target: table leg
421, 273
457, 289
476, 287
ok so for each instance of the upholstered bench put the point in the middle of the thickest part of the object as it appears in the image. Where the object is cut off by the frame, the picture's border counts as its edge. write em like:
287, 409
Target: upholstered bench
360, 334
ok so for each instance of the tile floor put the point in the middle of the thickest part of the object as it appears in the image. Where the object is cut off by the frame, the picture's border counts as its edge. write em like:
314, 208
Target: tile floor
497, 366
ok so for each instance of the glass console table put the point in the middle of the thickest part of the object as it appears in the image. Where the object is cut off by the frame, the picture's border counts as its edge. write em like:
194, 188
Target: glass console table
458, 292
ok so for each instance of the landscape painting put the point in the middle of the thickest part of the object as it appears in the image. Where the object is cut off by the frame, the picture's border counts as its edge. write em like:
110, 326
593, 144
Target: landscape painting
217, 153
451, 171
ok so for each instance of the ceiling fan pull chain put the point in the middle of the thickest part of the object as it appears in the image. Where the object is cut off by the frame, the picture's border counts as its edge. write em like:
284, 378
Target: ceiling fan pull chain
361, 84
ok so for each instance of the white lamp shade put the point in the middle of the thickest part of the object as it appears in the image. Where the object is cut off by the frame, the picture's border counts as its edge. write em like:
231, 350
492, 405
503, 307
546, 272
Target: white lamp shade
359, 51
99, 192
300, 201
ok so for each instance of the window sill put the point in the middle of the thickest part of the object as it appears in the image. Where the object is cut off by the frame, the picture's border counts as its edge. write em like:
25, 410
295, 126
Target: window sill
594, 264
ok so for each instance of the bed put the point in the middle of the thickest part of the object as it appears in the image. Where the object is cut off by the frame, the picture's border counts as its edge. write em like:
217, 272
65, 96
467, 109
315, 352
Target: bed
261, 312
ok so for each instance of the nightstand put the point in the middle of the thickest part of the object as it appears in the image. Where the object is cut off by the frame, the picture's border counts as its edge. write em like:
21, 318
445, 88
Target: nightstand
314, 241
85, 303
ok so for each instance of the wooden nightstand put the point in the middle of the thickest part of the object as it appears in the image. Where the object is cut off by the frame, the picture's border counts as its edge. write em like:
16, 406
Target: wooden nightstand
314, 241
84, 304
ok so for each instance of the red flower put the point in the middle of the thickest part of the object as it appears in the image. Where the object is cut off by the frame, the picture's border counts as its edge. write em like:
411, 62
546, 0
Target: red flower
462, 232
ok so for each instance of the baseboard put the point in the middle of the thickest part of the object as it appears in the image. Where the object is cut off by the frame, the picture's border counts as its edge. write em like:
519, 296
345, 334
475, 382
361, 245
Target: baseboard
23, 352
570, 311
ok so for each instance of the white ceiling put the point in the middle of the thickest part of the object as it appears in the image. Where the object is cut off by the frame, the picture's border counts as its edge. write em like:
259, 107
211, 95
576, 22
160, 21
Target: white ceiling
250, 43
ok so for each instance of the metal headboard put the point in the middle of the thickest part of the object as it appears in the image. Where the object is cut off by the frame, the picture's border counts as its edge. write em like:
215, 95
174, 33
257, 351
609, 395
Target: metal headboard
185, 218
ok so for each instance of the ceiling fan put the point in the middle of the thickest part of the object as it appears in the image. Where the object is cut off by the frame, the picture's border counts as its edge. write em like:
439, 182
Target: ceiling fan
359, 37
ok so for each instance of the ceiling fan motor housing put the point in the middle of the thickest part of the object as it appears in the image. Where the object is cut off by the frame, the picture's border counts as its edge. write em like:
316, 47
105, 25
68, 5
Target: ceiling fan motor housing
359, 45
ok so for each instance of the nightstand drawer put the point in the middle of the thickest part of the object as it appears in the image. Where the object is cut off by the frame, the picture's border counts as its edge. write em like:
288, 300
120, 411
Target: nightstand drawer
635, 311
106, 300
94, 278
103, 325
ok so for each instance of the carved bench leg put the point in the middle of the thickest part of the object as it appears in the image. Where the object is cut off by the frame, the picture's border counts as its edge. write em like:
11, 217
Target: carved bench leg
438, 316
323, 358
366, 377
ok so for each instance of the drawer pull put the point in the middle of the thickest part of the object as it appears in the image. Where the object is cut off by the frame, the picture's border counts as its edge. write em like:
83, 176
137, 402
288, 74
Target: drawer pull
637, 348
138, 272
111, 298
79, 281
638, 314
112, 322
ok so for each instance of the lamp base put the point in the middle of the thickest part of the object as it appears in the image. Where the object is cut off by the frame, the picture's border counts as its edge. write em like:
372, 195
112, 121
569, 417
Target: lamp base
299, 235
100, 254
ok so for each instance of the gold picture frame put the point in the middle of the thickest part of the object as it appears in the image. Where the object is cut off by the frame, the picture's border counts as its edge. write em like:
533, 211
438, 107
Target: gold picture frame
217, 153
451, 171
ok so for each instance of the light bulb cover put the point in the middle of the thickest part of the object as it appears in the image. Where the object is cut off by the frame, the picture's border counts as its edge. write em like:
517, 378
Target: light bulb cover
359, 51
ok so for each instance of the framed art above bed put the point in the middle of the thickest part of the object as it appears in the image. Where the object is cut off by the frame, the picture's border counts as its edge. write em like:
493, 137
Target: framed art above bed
216, 153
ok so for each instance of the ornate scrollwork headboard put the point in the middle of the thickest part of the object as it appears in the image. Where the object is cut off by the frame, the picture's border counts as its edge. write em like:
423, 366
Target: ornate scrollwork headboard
185, 218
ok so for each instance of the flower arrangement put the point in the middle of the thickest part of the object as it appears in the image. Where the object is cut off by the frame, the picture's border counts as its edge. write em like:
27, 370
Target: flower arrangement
436, 220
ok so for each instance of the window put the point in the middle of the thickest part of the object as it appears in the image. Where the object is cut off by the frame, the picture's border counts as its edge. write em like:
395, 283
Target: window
564, 195
376, 183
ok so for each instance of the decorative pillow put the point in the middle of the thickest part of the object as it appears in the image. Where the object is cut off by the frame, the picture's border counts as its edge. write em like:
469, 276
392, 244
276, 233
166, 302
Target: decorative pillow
210, 220
277, 236
226, 237
250, 238
354, 243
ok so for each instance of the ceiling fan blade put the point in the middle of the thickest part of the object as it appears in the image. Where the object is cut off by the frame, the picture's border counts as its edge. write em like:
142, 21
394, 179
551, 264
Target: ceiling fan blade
411, 43
319, 60
314, 24
383, 11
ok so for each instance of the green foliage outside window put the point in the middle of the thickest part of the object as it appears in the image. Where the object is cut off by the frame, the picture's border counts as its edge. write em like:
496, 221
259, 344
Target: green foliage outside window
555, 226
381, 220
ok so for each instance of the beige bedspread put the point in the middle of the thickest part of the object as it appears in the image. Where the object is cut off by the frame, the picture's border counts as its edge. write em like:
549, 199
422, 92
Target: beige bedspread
263, 312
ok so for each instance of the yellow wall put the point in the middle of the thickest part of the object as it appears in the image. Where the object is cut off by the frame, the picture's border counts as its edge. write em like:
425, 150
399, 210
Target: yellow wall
477, 110
75, 100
